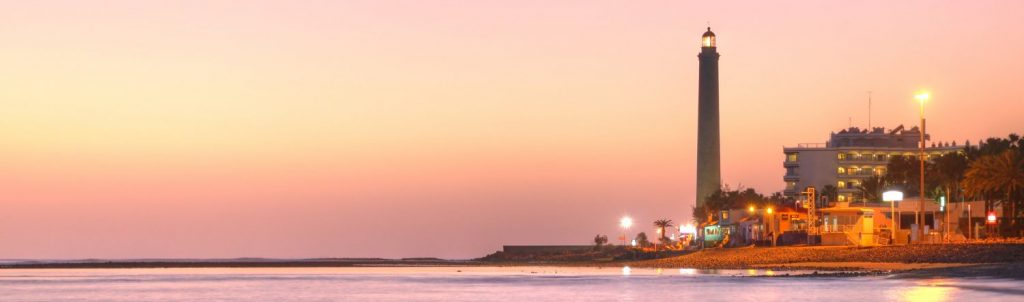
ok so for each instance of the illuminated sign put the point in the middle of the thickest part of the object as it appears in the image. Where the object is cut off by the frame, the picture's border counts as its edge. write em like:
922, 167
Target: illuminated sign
991, 219
892, 196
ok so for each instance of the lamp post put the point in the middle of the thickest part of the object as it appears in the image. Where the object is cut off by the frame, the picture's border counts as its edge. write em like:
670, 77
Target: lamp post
921, 97
892, 196
771, 224
625, 223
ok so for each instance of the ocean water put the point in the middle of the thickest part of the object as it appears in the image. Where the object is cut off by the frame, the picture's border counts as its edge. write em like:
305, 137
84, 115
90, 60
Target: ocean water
533, 284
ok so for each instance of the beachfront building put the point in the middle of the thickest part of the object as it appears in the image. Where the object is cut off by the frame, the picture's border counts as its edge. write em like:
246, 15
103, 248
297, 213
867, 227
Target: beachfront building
873, 224
849, 157
746, 226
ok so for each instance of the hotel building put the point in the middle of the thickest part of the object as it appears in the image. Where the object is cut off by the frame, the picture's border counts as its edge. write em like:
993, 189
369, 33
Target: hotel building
851, 156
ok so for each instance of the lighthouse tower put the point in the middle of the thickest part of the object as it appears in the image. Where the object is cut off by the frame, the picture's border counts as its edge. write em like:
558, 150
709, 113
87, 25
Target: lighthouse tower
709, 175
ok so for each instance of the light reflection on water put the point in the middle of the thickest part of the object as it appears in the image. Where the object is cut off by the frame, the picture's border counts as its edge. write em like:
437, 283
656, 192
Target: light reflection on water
931, 290
514, 283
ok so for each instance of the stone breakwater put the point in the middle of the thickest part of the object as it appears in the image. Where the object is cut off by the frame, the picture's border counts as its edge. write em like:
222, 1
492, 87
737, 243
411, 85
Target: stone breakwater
927, 253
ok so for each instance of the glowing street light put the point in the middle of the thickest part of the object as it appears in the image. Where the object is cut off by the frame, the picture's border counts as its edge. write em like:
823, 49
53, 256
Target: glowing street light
625, 223
922, 97
751, 209
991, 219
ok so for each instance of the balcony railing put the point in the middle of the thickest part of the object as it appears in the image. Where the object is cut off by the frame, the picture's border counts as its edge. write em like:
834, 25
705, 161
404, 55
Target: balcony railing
863, 173
863, 159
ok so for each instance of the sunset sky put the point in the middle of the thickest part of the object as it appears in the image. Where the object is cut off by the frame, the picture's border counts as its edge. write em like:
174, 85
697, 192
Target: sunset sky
193, 129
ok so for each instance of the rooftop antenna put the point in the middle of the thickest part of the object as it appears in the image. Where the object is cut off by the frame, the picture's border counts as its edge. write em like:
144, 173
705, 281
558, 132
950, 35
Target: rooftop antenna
851, 121
869, 110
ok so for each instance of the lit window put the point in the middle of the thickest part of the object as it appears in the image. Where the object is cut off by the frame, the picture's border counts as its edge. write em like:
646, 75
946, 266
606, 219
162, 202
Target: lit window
842, 197
841, 184
842, 170
791, 157
842, 156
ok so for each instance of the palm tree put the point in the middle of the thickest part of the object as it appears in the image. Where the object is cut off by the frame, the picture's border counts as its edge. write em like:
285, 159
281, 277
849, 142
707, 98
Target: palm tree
662, 224
1001, 174
948, 170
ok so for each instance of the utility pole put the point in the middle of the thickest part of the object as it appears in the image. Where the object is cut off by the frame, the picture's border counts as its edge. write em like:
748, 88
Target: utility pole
811, 206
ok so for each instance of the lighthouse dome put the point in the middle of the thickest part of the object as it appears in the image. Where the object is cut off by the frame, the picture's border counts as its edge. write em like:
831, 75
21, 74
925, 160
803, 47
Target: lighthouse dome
708, 39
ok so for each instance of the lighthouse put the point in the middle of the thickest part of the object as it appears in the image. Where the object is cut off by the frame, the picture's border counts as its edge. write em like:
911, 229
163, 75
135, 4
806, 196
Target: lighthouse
709, 175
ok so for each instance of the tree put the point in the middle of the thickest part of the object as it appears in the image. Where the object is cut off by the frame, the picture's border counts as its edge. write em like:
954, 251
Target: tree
831, 192
727, 199
999, 175
599, 241
661, 224
948, 171
641, 240
699, 215
871, 189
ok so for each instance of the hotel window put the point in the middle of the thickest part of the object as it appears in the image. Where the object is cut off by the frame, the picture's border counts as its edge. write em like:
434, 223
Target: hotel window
881, 157
791, 157
841, 156
841, 170
841, 184
842, 198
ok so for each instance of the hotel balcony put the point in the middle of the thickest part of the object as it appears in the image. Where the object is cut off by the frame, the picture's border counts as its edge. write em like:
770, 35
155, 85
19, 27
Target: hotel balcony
858, 175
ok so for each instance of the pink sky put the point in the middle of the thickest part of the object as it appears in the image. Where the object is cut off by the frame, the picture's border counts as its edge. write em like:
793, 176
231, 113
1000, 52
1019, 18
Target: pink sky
444, 128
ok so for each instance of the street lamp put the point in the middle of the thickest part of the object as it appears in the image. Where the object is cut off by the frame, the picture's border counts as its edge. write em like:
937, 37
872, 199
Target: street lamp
921, 97
892, 196
625, 223
771, 224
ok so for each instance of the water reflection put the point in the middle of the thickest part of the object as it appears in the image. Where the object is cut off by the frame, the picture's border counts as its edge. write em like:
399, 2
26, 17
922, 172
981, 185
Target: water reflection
935, 290
626, 271
688, 271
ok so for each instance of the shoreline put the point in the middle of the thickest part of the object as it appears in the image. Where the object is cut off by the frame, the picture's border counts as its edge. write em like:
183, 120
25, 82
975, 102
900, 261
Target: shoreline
782, 270
997, 260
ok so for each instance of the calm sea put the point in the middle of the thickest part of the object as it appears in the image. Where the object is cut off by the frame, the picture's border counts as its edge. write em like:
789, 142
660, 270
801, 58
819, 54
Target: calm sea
533, 284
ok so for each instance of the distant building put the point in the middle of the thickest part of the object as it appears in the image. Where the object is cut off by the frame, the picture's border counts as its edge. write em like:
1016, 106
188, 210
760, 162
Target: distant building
849, 157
